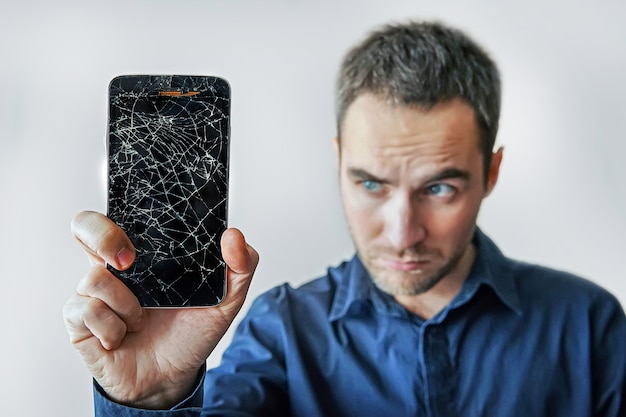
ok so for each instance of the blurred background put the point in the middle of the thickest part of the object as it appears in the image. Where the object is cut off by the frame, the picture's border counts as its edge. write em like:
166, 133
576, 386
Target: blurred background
561, 199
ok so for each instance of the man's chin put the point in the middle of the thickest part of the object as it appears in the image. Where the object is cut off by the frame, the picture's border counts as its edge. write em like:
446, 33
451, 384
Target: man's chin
406, 283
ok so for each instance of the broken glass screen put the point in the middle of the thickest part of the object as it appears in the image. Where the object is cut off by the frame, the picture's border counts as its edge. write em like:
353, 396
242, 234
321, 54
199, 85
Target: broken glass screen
168, 145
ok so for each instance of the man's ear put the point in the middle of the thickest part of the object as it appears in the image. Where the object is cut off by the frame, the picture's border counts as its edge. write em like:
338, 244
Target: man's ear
494, 170
337, 146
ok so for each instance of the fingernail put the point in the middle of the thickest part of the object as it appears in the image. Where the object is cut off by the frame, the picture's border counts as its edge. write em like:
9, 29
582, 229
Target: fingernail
125, 258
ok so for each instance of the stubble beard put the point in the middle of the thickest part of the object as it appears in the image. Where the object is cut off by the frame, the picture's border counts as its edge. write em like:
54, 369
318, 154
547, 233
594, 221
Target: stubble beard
408, 283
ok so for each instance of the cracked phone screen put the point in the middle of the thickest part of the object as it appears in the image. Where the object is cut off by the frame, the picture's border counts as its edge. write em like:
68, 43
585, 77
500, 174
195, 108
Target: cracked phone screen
168, 141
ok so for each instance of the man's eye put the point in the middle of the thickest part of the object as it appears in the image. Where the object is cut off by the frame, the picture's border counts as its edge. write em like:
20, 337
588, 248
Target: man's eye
441, 190
372, 186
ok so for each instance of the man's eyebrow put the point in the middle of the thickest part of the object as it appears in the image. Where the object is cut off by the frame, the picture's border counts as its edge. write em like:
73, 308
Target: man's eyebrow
450, 173
363, 175
446, 174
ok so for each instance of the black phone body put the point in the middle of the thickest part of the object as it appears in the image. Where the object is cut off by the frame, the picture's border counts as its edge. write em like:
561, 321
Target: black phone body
168, 151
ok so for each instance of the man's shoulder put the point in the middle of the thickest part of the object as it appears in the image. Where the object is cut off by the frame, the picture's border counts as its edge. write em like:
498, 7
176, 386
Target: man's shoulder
537, 283
541, 288
319, 291
528, 274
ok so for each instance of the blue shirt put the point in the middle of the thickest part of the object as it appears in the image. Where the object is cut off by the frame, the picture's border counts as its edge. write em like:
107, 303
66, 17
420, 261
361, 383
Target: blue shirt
518, 340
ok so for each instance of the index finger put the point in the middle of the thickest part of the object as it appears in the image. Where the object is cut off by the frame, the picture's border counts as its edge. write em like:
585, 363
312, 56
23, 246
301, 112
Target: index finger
103, 240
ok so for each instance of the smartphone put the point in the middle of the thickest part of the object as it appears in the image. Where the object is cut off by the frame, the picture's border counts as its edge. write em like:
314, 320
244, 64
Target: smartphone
168, 144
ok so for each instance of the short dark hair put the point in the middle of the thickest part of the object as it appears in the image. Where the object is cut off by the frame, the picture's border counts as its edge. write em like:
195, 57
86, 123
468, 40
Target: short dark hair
423, 64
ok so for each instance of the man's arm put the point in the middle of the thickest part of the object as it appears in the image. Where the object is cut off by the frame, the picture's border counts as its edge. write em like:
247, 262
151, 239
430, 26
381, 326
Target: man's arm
609, 359
251, 379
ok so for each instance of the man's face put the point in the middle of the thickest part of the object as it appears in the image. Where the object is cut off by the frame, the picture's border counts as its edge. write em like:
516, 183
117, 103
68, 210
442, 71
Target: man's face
412, 184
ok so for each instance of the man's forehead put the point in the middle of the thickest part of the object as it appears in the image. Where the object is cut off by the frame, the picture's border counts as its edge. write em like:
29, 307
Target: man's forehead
372, 121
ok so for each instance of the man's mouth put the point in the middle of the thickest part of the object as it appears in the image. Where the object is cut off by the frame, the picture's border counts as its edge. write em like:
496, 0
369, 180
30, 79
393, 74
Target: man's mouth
404, 265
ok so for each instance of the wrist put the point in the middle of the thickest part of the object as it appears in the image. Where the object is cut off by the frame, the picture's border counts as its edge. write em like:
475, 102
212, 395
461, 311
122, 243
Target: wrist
167, 396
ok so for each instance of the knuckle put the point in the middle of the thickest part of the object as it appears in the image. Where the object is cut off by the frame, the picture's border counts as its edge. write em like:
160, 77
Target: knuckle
94, 281
70, 310
76, 222
102, 322
93, 308
255, 257
109, 242
81, 221
75, 321
97, 233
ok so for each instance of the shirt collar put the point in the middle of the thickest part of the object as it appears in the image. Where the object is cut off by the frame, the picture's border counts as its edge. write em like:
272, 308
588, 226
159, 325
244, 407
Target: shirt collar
356, 290
492, 269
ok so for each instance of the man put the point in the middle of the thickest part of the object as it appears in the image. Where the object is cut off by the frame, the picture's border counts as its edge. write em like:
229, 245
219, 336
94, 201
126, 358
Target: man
429, 318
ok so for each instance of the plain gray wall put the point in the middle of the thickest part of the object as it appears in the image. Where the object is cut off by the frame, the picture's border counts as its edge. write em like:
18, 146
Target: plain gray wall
560, 201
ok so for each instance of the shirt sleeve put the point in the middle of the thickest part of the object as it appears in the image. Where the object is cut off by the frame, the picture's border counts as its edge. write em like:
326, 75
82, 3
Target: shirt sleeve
251, 378
609, 359
189, 407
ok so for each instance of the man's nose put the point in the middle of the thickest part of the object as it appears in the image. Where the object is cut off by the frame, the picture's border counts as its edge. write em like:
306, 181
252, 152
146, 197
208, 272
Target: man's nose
403, 225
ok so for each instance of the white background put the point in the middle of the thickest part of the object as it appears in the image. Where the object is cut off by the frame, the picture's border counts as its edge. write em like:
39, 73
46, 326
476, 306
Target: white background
560, 201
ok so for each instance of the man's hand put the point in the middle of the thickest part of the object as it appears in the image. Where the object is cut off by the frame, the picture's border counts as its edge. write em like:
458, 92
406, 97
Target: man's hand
147, 358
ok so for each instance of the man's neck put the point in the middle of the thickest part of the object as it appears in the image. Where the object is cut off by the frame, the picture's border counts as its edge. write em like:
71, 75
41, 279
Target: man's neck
428, 304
